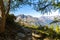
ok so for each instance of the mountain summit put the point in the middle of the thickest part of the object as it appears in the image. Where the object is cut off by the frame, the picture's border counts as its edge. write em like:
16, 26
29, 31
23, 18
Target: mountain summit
27, 19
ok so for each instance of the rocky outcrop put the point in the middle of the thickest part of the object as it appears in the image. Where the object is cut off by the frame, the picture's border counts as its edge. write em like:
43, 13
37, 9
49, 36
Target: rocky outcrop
13, 34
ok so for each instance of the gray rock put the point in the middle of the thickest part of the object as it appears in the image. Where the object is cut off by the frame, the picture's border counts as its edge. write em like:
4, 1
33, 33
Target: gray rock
21, 35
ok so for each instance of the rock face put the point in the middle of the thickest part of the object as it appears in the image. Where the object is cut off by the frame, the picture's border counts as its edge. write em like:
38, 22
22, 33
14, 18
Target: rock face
12, 34
29, 20
24, 36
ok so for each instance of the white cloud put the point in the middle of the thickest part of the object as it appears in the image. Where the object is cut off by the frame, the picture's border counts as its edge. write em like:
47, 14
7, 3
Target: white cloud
52, 14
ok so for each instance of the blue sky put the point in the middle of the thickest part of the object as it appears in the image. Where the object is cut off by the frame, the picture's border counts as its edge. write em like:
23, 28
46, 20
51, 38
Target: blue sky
27, 10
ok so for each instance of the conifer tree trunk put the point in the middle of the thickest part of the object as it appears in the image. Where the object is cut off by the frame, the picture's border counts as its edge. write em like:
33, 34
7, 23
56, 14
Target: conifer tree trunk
2, 27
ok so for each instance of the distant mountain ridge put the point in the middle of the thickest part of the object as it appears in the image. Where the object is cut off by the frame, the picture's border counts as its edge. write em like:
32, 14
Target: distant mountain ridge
43, 20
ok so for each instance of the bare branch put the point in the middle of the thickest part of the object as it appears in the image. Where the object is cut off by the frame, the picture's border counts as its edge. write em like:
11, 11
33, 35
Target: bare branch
8, 7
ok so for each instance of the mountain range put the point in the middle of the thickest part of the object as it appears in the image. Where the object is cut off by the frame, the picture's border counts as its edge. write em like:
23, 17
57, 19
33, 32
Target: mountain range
30, 20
